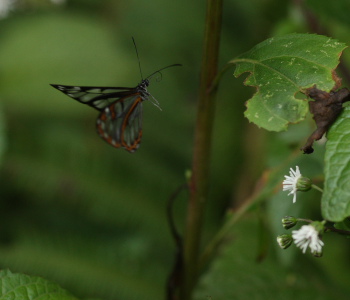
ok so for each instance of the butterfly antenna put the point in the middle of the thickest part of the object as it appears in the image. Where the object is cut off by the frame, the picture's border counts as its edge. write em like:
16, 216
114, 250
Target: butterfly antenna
158, 71
138, 58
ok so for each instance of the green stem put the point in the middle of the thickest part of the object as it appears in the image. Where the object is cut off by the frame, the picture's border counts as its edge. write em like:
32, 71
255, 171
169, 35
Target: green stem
202, 146
267, 184
341, 231
212, 246
225, 230
305, 220
316, 188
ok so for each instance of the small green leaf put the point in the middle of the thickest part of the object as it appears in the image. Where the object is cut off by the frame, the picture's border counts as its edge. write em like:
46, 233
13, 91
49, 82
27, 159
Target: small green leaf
24, 287
336, 195
282, 67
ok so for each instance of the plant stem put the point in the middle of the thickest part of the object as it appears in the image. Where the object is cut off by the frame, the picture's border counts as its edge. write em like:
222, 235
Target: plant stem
341, 231
305, 220
202, 145
316, 188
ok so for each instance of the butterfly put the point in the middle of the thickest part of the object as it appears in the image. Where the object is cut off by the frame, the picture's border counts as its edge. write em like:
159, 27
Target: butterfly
120, 120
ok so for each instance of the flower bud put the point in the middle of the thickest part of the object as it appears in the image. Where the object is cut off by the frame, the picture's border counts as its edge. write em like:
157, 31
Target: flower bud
284, 240
304, 184
289, 222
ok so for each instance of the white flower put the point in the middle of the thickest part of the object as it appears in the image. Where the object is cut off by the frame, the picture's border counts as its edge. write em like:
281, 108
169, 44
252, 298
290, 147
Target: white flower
290, 183
308, 236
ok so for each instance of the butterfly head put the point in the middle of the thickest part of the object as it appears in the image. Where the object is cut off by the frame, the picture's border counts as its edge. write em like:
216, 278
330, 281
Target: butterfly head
142, 89
143, 85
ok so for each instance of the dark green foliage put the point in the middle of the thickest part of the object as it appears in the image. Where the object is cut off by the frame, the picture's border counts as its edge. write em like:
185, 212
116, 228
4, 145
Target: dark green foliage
92, 218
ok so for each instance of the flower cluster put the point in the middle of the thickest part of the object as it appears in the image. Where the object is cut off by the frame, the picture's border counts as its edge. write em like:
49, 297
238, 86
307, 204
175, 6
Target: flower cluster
308, 236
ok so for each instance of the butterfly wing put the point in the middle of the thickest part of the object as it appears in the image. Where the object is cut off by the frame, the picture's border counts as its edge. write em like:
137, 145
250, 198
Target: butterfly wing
120, 124
96, 97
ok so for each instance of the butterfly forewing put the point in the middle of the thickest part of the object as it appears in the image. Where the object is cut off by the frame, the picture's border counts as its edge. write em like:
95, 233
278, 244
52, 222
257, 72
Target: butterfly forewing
120, 124
96, 97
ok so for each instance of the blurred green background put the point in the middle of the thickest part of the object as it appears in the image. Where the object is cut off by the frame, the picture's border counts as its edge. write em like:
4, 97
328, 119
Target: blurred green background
92, 218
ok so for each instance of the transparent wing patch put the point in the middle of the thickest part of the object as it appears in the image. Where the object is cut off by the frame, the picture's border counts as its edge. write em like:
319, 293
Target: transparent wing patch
120, 124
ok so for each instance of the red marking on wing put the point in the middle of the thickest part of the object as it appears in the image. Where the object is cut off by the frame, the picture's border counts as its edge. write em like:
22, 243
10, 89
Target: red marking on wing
137, 141
108, 138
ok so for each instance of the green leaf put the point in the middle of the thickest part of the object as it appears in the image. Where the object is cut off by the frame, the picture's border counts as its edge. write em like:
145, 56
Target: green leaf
336, 195
281, 67
24, 287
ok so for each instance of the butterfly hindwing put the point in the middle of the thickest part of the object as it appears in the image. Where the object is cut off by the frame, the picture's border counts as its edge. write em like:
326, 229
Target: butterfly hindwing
120, 124
120, 119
